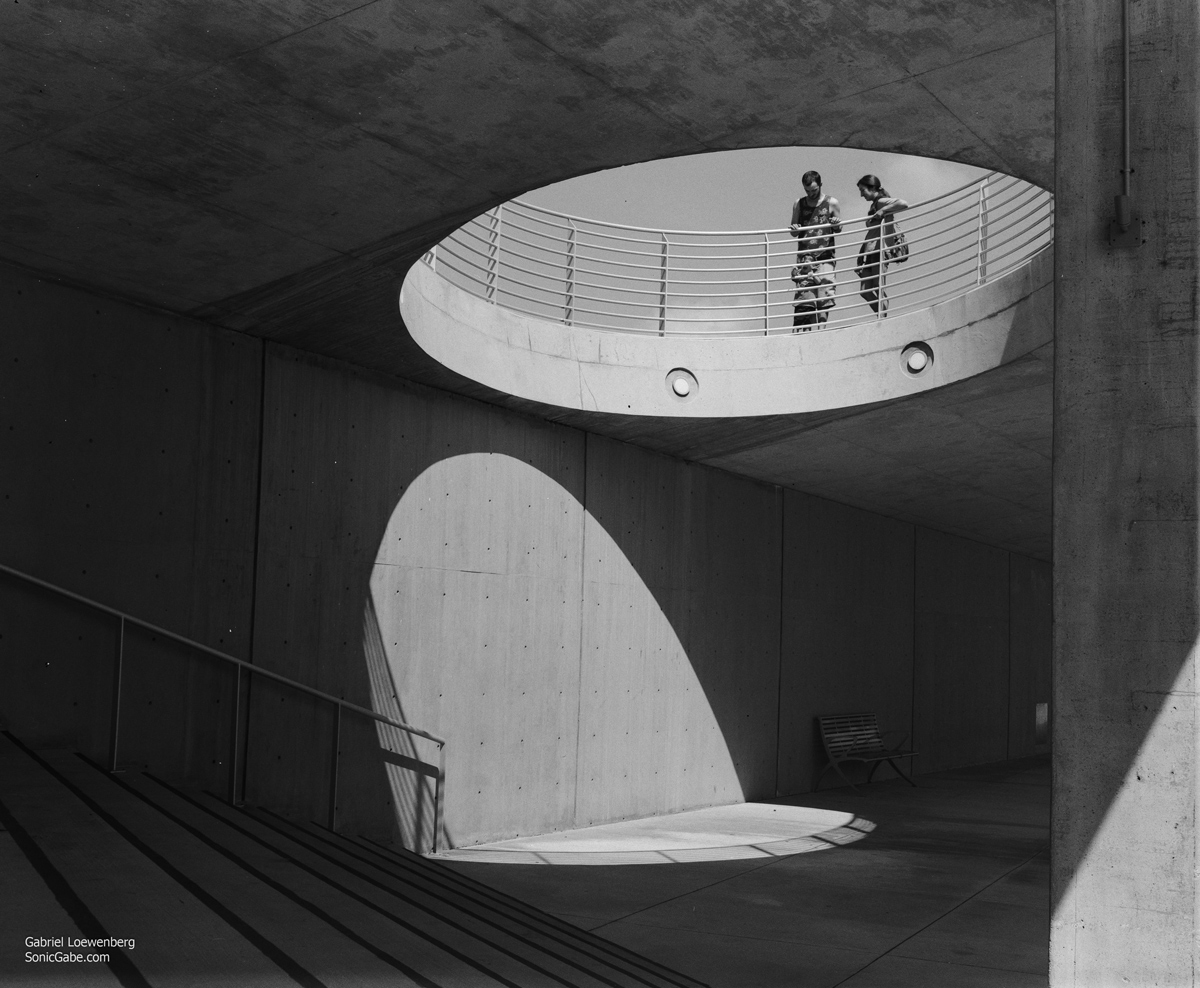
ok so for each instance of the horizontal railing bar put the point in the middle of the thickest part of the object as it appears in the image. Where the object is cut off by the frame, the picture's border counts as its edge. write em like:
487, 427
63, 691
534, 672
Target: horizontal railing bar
918, 211
999, 226
217, 653
973, 184
593, 273
897, 280
756, 257
894, 282
1021, 246
895, 307
781, 236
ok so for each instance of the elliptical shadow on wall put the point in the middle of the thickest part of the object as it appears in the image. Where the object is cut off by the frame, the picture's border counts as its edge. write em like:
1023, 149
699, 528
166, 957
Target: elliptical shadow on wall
504, 617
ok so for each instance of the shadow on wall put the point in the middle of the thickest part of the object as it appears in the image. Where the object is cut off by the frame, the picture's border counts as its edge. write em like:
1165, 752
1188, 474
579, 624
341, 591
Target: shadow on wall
503, 617
407, 767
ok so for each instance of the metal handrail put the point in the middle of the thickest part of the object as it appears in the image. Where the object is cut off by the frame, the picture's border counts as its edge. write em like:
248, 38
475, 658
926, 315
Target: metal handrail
615, 278
124, 619
959, 192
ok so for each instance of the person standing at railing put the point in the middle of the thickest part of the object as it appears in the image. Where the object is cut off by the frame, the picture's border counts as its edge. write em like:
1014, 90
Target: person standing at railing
815, 219
873, 255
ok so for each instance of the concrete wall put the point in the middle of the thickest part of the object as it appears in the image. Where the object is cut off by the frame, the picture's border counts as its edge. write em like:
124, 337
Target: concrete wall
680, 656
847, 627
397, 530
945, 639
129, 444
601, 632
1030, 642
587, 665
1124, 879
960, 691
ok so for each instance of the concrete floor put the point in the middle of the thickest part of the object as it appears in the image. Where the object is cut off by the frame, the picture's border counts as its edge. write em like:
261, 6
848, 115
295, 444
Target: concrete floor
713, 833
950, 888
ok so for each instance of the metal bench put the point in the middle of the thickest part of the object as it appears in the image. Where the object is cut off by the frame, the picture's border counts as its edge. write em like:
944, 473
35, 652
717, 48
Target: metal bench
856, 738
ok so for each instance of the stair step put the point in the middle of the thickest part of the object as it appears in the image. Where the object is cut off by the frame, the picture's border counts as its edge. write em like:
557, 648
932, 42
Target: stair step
401, 862
313, 928
469, 915
178, 940
216, 895
441, 946
429, 876
29, 907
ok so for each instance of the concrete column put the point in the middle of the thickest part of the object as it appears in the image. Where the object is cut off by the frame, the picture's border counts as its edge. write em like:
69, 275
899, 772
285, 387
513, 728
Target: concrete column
1124, 880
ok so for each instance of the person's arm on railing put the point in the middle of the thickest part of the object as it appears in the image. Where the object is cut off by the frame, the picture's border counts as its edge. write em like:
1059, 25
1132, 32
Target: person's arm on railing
835, 215
890, 204
795, 229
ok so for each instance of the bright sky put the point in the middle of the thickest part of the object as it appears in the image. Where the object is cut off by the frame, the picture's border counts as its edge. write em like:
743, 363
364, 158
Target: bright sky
744, 190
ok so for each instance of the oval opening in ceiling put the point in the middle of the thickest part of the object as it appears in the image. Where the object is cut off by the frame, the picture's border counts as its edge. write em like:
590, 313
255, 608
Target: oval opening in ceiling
573, 309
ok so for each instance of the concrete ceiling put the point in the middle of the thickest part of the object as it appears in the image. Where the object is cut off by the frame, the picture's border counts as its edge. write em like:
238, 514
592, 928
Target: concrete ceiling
274, 166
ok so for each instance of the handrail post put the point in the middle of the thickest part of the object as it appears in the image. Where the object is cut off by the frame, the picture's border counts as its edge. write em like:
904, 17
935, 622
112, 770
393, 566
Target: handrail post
493, 258
241, 740
880, 274
983, 224
766, 284
662, 289
333, 767
439, 796
236, 738
114, 736
570, 303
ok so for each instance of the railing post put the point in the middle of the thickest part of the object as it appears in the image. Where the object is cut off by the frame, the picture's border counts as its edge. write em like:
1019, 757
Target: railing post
439, 796
236, 738
766, 284
662, 289
570, 303
493, 256
983, 231
114, 737
333, 767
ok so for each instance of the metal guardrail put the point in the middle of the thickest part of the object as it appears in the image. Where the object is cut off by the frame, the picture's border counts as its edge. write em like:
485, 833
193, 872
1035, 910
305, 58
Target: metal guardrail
238, 752
586, 273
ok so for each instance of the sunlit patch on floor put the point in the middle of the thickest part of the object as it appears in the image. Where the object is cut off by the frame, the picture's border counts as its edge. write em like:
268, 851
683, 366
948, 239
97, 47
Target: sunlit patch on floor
716, 833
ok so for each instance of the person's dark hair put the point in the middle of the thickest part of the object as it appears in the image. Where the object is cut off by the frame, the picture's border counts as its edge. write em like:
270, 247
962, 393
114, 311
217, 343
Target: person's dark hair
811, 177
872, 182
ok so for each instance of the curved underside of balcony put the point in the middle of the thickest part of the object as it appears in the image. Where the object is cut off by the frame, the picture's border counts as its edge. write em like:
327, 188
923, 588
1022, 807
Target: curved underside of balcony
629, 373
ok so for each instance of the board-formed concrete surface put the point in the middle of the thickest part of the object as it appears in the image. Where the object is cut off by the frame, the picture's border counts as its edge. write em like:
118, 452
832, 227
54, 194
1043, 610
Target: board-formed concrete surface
1126, 561
277, 169
668, 629
250, 152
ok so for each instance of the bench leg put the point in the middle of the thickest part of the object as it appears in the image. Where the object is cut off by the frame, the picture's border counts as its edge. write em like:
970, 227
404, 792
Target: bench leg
901, 773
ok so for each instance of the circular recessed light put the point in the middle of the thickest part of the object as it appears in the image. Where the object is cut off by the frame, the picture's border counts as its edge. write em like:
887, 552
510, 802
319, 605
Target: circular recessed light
682, 384
916, 358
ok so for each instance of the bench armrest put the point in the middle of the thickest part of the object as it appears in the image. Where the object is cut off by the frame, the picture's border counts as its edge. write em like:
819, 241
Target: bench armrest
899, 744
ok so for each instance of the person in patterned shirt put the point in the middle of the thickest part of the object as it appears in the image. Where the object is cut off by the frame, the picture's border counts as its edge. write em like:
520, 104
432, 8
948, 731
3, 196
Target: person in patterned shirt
815, 220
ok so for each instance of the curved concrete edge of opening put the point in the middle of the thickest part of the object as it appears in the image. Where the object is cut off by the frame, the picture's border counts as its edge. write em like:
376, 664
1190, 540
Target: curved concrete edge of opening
626, 373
